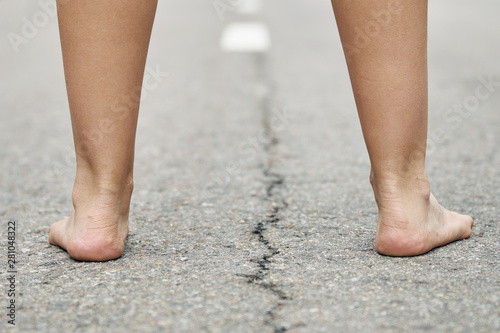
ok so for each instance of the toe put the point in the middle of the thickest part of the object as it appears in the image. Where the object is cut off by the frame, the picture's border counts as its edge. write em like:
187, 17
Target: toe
55, 233
465, 224
469, 222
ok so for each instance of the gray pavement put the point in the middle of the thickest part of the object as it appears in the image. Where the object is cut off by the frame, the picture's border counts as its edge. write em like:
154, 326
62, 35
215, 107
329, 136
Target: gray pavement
252, 211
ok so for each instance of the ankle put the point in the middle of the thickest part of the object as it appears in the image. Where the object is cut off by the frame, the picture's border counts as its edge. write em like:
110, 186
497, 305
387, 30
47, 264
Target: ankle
415, 183
89, 190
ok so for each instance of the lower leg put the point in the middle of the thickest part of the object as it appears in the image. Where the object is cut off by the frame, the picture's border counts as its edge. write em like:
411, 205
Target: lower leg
104, 46
385, 43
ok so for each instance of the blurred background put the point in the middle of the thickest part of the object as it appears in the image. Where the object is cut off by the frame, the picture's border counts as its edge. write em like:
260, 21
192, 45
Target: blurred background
219, 70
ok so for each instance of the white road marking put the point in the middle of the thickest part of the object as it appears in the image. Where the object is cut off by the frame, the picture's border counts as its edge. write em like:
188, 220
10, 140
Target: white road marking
245, 37
249, 7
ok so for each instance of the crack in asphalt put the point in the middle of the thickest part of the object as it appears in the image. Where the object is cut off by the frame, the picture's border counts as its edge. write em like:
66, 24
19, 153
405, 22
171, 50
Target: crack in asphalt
275, 198
271, 218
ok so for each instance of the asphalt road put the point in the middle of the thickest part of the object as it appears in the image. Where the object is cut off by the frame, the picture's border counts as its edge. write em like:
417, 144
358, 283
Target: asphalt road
252, 210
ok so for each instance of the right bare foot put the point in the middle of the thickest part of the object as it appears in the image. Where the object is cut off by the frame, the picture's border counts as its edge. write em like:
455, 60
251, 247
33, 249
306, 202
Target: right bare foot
98, 225
411, 221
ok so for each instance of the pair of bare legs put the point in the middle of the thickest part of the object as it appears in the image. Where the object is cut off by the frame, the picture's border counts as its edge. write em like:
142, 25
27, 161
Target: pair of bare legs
104, 47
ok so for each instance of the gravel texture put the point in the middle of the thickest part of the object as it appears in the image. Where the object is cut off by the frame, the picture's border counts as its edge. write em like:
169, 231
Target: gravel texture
252, 210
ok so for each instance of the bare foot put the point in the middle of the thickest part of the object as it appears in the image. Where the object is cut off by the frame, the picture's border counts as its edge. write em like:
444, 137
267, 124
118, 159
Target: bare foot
412, 222
98, 225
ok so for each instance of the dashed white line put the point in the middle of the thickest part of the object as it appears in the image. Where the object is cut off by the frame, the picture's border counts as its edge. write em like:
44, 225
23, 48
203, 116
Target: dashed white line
245, 37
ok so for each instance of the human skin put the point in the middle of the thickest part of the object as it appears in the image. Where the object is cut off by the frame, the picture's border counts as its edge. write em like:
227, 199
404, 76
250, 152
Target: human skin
105, 45
388, 72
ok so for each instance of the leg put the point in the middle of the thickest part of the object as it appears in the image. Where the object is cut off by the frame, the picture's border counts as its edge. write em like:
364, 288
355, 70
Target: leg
385, 43
104, 46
